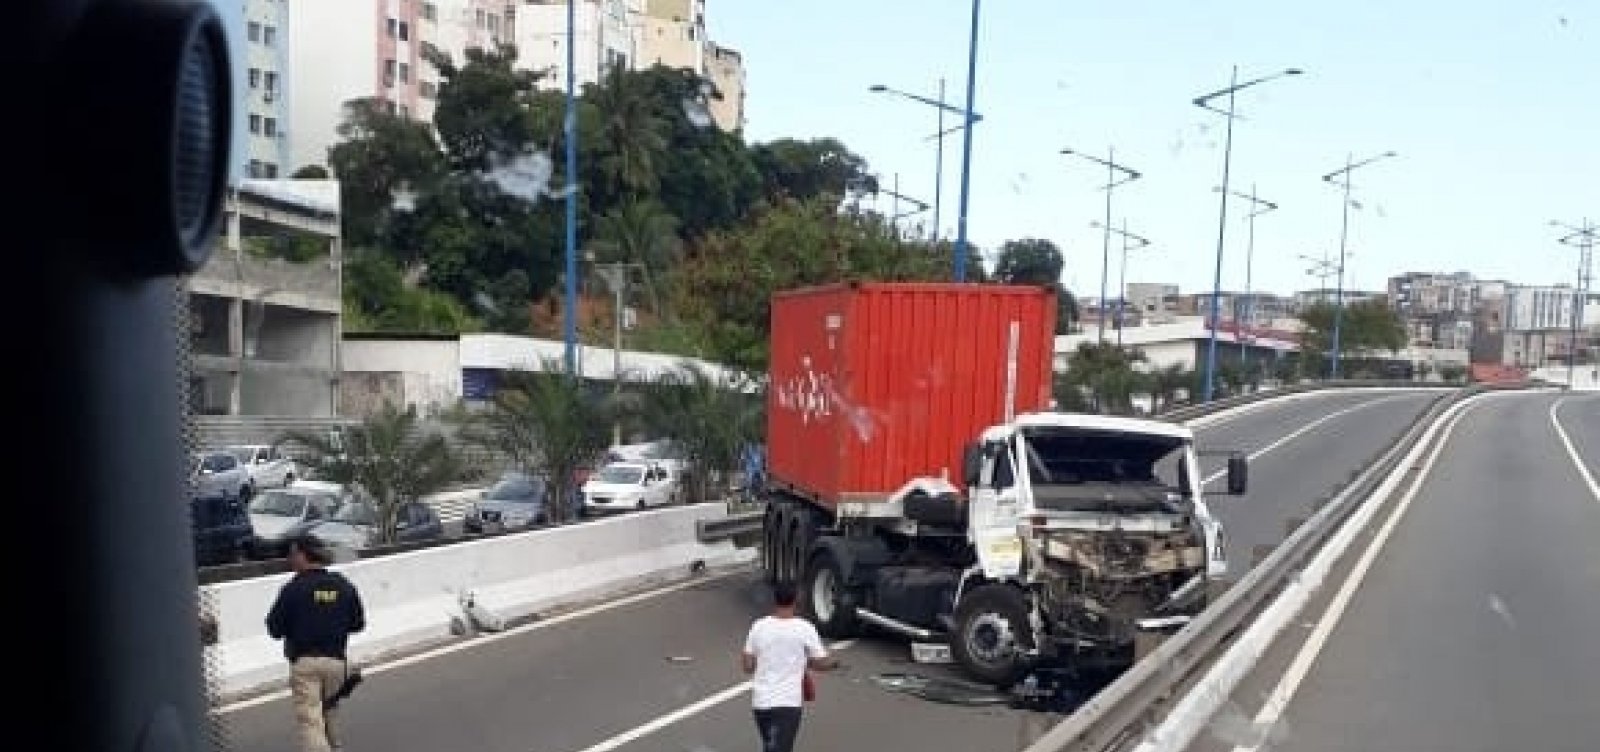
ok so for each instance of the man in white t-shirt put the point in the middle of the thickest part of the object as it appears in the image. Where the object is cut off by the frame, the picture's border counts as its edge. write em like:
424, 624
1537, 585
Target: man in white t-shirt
777, 653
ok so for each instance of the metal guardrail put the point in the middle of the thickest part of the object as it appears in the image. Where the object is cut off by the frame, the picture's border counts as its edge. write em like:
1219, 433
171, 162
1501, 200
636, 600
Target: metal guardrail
740, 523
1191, 412
1136, 699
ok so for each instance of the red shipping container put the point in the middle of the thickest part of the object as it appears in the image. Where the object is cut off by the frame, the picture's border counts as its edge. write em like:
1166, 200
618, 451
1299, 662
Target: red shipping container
874, 384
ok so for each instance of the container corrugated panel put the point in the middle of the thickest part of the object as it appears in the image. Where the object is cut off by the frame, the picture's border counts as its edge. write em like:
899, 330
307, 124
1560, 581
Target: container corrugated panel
874, 384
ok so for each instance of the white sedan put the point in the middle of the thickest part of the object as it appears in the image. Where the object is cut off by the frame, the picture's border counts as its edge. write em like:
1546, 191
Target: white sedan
631, 485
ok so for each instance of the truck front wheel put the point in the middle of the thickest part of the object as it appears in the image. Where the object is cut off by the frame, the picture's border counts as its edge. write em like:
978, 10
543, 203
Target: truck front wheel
993, 634
824, 599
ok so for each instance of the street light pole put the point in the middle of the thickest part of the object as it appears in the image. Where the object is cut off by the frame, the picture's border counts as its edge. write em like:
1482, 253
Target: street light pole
969, 118
1122, 280
938, 165
570, 131
1344, 232
1203, 102
1583, 238
966, 149
1130, 175
1259, 206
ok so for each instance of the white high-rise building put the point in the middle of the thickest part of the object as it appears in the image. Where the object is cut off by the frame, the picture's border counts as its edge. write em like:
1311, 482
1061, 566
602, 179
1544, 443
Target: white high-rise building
605, 35
265, 116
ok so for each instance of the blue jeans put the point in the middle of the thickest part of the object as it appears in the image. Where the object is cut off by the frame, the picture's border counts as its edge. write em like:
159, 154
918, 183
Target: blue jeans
778, 728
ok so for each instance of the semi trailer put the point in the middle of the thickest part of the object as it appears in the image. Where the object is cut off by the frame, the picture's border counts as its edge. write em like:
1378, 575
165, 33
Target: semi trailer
920, 483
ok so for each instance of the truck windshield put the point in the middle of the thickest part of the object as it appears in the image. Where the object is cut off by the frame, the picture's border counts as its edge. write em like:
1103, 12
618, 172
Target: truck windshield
1079, 457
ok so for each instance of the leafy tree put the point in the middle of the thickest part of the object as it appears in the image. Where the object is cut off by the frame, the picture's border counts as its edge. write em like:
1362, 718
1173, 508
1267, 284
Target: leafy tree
389, 457
311, 172
377, 297
482, 114
706, 413
381, 153
1166, 384
726, 284
1367, 326
805, 170
632, 134
1102, 377
1030, 261
547, 423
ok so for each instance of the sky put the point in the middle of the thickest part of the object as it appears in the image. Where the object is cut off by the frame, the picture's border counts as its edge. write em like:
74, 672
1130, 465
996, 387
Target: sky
1491, 105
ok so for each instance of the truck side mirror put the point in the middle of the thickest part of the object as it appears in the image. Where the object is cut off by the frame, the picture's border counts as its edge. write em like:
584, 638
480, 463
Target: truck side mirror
971, 465
1238, 475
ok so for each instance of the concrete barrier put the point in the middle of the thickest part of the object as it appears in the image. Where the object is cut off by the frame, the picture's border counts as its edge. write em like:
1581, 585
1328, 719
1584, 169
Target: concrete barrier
423, 596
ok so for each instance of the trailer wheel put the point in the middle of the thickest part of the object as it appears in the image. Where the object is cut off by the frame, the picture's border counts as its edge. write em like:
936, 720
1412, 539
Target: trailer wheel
824, 599
797, 546
992, 634
770, 525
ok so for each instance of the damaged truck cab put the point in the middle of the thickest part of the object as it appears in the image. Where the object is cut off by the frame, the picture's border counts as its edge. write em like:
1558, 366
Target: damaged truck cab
918, 484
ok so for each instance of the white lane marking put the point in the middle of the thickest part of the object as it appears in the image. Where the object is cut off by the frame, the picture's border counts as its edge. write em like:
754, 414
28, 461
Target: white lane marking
1303, 430
1206, 421
468, 644
1572, 451
638, 732
1278, 701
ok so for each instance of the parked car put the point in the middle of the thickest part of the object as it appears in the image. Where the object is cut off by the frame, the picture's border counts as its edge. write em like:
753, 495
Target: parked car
632, 485
221, 530
267, 466
220, 475
517, 500
279, 514
354, 525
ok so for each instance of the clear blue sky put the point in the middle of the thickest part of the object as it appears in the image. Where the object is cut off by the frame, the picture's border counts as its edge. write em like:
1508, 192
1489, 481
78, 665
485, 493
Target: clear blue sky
1493, 105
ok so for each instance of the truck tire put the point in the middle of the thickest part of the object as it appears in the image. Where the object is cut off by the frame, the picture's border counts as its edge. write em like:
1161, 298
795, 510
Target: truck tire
824, 599
797, 546
771, 527
991, 634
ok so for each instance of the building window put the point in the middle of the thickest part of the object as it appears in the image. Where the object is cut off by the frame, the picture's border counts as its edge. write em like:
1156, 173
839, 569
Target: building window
405, 73
428, 89
255, 168
405, 31
254, 32
269, 35
269, 170
255, 77
389, 67
480, 18
394, 28
270, 127
405, 111
272, 81
430, 12
494, 24
255, 123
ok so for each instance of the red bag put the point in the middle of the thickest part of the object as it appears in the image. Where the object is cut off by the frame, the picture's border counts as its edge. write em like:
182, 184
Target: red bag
808, 688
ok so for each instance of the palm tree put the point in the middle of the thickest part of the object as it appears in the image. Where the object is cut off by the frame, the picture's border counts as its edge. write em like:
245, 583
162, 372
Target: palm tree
634, 135
548, 424
709, 415
389, 457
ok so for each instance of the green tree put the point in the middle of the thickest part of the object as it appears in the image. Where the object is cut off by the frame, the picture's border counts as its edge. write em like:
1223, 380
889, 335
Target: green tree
378, 298
484, 105
708, 414
311, 172
1030, 261
548, 424
632, 135
726, 283
804, 170
390, 457
1166, 384
379, 154
1102, 377
1367, 326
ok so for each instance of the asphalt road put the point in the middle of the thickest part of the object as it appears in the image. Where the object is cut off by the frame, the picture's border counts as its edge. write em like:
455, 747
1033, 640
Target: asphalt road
658, 673
1475, 626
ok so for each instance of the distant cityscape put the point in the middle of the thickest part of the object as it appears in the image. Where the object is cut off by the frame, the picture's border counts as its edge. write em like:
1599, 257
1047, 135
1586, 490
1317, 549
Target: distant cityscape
1449, 317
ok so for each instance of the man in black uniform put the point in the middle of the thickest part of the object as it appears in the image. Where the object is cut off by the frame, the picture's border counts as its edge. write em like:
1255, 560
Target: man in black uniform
315, 614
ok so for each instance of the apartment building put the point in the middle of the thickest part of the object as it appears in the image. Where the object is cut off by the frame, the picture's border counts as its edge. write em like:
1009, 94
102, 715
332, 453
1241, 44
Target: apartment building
265, 120
725, 68
605, 35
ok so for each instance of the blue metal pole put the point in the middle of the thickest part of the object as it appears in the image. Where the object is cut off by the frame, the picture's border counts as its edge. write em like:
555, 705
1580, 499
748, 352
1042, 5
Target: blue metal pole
938, 166
1222, 228
570, 129
966, 149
